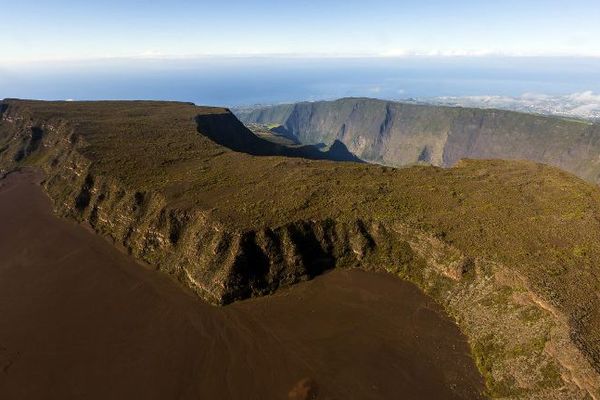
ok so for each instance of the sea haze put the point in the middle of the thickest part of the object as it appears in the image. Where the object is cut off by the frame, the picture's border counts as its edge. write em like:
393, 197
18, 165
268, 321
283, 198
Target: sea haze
239, 81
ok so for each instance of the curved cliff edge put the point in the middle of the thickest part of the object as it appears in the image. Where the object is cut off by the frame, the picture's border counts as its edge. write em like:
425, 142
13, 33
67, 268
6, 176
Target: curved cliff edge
509, 249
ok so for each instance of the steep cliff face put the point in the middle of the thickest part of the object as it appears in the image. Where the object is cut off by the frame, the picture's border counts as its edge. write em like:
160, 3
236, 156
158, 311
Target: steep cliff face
228, 131
400, 134
509, 248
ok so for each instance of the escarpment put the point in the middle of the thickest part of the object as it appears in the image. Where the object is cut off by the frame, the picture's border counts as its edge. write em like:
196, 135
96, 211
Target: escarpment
399, 134
508, 248
226, 130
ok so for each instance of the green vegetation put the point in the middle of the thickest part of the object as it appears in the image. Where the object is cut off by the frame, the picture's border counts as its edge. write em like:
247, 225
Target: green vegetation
551, 376
488, 352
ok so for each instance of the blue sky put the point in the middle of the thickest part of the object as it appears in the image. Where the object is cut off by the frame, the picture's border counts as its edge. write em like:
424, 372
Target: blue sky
67, 29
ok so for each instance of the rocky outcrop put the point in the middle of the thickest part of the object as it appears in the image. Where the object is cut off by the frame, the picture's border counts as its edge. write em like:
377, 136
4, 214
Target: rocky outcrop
220, 264
399, 134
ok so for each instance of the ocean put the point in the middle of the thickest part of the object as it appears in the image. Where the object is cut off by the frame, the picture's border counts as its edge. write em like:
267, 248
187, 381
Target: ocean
241, 81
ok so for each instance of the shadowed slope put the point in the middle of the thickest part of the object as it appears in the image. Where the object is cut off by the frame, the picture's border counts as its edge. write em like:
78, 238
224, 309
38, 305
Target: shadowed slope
227, 131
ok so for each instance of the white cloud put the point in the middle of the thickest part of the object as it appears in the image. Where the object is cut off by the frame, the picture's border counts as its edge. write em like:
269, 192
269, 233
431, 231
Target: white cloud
580, 105
399, 52
585, 97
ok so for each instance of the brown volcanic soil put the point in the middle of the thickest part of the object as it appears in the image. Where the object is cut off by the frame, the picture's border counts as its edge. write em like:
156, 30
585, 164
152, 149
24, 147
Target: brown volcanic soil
82, 320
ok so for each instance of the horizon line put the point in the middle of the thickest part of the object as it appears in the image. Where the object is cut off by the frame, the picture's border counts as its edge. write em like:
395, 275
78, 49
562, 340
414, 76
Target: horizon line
155, 56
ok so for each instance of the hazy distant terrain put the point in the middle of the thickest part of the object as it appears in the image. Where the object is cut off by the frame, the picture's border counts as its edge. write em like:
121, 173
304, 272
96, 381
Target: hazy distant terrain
585, 105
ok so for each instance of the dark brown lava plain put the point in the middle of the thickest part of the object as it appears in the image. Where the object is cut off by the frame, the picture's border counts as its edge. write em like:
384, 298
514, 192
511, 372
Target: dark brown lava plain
81, 320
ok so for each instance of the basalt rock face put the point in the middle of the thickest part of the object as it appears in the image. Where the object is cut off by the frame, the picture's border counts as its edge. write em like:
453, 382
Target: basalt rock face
508, 248
399, 134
